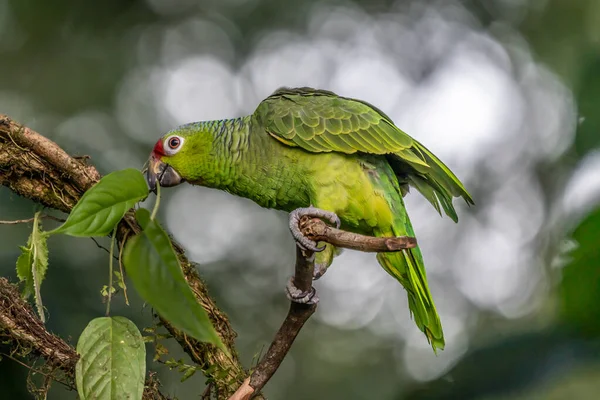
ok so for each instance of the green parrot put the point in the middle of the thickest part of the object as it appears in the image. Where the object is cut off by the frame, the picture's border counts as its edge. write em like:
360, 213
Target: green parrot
340, 157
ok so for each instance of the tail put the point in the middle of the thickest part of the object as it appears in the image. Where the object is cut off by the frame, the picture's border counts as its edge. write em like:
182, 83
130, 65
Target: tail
407, 267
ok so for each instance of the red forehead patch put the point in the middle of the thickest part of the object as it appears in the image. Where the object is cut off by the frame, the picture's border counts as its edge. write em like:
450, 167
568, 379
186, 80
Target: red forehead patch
158, 148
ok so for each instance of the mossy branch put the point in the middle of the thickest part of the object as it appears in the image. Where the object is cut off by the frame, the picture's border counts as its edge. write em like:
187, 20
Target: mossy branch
36, 168
23, 331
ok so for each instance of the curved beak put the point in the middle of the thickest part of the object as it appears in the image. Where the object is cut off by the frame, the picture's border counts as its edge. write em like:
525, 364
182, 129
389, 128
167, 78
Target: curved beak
162, 173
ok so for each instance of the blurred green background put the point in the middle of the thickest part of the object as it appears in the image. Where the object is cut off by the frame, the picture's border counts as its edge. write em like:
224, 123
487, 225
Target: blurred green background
506, 92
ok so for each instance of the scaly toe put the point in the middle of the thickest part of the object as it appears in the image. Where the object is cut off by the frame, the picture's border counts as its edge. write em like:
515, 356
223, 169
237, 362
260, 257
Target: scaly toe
305, 243
302, 241
298, 296
328, 215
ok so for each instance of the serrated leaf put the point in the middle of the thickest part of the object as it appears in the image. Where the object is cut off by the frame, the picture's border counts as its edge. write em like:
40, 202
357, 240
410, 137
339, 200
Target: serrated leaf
40, 266
32, 264
154, 269
103, 206
112, 363
24, 273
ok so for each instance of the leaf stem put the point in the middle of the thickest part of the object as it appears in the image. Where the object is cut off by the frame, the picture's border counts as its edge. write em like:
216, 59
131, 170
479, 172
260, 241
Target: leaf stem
110, 269
121, 267
155, 209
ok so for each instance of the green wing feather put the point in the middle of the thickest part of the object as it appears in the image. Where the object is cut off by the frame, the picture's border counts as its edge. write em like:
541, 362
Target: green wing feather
320, 121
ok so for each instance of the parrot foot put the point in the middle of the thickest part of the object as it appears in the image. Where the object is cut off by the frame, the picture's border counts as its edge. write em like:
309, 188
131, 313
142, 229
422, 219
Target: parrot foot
298, 296
302, 241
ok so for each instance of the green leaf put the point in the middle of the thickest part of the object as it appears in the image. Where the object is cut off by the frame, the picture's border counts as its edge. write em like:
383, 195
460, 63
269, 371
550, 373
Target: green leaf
103, 206
112, 363
24, 263
39, 267
154, 269
32, 264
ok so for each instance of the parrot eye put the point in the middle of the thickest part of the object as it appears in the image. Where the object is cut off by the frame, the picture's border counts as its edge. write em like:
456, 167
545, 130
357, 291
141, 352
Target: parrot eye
173, 144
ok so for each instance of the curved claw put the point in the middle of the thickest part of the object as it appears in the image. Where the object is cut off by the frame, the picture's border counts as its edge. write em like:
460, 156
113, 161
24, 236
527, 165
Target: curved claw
298, 296
335, 221
302, 241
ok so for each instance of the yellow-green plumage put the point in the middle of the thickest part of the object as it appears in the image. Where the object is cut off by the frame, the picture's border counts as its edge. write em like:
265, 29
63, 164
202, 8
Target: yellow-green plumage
309, 147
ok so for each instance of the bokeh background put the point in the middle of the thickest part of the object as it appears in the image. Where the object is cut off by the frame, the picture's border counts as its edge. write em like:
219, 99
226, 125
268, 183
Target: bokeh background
506, 92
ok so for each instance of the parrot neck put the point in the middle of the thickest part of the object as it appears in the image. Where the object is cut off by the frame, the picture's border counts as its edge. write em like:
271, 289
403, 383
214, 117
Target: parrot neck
229, 152
249, 163
230, 141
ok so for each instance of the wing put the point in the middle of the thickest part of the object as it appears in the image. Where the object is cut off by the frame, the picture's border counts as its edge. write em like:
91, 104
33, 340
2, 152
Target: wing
320, 121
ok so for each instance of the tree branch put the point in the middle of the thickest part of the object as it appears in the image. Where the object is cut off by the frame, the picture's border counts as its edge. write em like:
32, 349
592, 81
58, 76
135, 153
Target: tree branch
38, 169
21, 325
317, 230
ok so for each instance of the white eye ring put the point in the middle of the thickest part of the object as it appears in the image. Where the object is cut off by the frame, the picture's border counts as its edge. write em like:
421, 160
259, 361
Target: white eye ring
172, 144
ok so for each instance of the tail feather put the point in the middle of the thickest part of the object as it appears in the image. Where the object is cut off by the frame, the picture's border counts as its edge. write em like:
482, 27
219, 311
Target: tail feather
407, 267
404, 267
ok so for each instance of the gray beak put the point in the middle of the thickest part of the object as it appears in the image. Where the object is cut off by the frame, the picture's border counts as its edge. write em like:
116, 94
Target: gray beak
162, 173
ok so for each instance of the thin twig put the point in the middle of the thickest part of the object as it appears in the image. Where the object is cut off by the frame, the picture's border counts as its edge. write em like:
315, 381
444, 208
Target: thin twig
113, 238
121, 268
37, 371
297, 316
157, 203
17, 221
319, 231
25, 221
13, 140
102, 247
207, 392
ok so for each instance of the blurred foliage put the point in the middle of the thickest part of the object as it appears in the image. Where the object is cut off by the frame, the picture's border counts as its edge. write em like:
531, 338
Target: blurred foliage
506, 92
555, 364
588, 134
580, 286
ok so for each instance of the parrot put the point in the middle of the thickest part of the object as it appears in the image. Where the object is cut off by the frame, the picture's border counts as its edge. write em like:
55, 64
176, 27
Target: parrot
312, 151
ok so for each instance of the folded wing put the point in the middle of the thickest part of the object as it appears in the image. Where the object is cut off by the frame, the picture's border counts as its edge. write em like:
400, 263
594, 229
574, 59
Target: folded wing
320, 121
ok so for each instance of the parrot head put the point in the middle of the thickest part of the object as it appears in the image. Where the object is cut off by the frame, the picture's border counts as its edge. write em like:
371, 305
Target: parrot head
176, 156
